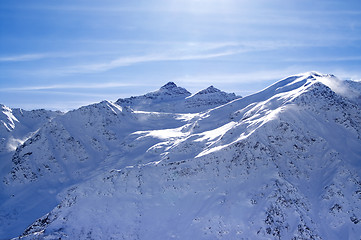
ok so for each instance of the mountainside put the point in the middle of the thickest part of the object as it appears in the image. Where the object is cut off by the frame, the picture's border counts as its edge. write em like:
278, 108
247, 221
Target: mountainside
355, 92
284, 163
17, 125
77, 145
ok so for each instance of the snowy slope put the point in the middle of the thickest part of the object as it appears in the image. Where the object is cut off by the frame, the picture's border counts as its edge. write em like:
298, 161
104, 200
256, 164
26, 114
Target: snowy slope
283, 163
75, 146
69, 149
18, 125
355, 90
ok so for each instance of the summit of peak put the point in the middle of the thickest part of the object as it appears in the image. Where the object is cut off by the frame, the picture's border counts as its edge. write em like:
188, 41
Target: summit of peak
212, 88
312, 74
169, 85
209, 89
5, 108
172, 89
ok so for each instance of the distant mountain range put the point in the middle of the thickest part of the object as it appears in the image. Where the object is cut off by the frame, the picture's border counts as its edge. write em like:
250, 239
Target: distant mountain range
283, 163
174, 99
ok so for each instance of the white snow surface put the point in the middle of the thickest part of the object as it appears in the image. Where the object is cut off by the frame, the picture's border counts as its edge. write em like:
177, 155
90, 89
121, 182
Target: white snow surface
284, 163
17, 125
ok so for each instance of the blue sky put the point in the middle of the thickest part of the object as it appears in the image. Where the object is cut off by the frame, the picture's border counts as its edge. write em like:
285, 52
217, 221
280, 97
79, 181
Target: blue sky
64, 54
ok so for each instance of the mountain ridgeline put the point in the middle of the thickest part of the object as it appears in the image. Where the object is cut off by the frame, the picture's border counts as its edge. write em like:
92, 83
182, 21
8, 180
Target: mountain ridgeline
283, 163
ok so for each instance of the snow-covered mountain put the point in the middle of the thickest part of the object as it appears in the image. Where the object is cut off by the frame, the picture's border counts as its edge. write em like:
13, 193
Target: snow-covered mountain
284, 163
74, 146
354, 92
17, 125
171, 98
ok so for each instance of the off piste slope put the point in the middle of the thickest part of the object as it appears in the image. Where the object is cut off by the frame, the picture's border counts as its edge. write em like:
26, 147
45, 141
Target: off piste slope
16, 125
283, 163
355, 93
70, 145
77, 145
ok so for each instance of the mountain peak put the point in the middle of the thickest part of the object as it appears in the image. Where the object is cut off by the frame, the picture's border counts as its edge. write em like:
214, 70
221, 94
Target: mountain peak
5, 108
209, 89
171, 89
314, 74
210, 96
169, 85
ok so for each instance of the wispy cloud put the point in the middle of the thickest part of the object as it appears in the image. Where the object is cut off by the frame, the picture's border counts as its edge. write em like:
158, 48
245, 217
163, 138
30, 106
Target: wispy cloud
246, 77
21, 58
182, 52
106, 85
175, 54
63, 106
323, 59
132, 60
184, 6
178, 51
40, 56
167, 51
